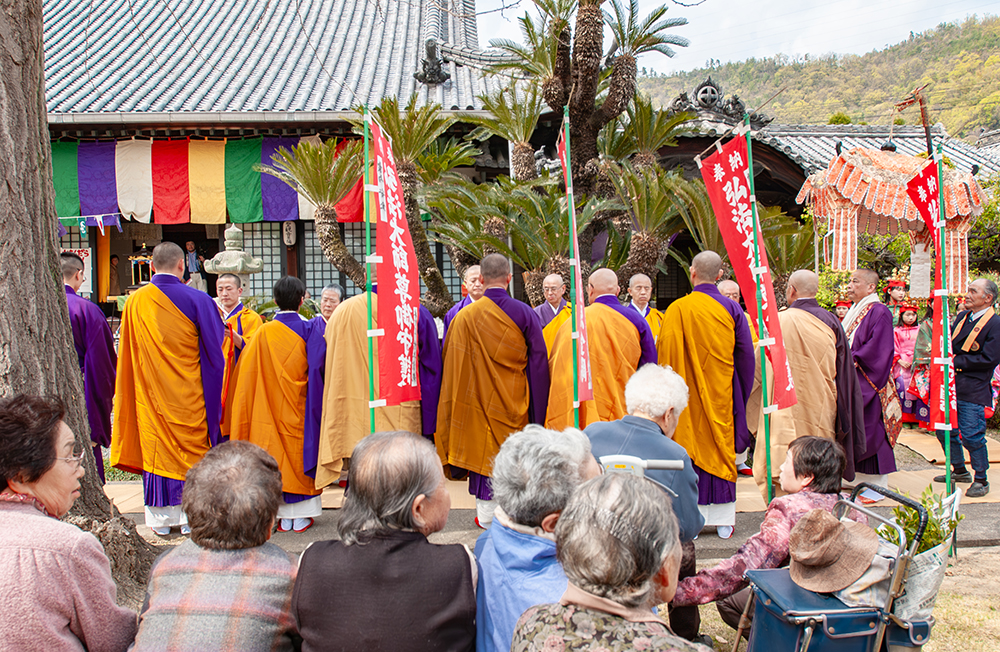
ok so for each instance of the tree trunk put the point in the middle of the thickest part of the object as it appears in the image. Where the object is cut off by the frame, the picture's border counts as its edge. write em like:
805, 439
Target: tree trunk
497, 228
438, 298
555, 90
643, 254
533, 286
588, 47
522, 162
37, 355
328, 235
621, 91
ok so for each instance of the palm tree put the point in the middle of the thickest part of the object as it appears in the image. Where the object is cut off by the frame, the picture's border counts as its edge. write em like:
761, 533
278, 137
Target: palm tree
412, 131
435, 164
459, 221
513, 115
324, 176
647, 131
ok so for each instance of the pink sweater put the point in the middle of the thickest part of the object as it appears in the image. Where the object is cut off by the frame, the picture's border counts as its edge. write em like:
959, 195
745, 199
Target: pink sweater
56, 591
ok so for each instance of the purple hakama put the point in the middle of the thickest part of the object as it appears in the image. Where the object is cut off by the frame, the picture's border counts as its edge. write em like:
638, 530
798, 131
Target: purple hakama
872, 346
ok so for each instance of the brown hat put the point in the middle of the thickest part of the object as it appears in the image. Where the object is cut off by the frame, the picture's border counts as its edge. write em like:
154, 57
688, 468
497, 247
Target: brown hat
829, 555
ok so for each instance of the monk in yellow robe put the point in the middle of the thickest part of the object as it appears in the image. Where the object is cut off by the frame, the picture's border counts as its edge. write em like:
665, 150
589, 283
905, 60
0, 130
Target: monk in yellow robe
240, 323
495, 381
168, 390
640, 288
706, 340
278, 401
555, 310
620, 342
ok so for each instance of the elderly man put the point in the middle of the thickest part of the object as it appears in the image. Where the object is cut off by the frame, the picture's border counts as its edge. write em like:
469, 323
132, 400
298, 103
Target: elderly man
656, 396
731, 289
705, 338
495, 381
868, 325
976, 347
620, 342
329, 299
95, 351
405, 593
554, 311
168, 393
829, 397
279, 400
640, 288
534, 475
472, 282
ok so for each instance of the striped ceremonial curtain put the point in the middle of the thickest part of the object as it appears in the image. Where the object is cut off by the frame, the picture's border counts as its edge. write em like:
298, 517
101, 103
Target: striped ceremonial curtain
243, 187
65, 179
134, 179
207, 181
96, 174
171, 195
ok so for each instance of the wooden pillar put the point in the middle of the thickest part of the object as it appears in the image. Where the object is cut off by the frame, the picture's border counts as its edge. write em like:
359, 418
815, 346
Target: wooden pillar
103, 266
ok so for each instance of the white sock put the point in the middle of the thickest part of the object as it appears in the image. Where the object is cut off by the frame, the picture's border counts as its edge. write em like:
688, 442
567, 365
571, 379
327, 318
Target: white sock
484, 511
185, 529
299, 523
162, 531
286, 524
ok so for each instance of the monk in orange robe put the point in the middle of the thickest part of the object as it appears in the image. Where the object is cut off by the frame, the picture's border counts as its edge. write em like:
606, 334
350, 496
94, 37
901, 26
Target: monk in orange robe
620, 342
705, 339
278, 401
241, 323
640, 288
495, 381
168, 390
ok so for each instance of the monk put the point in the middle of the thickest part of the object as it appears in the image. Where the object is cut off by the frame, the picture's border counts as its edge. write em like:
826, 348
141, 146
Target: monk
168, 392
241, 322
345, 396
495, 382
620, 342
829, 397
278, 400
95, 351
731, 289
555, 310
868, 325
329, 299
473, 291
640, 288
706, 339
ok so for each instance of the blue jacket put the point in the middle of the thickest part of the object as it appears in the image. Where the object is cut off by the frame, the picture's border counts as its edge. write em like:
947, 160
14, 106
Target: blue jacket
643, 439
517, 572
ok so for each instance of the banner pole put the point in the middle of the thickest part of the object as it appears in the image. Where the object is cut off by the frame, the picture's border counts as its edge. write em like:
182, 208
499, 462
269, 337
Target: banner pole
368, 273
573, 263
762, 335
945, 322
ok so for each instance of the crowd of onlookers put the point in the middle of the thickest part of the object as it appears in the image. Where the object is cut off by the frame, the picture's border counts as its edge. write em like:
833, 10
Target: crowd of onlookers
575, 559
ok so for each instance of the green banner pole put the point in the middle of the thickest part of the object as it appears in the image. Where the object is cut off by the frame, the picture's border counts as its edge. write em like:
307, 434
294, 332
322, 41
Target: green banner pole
368, 273
762, 334
574, 265
945, 321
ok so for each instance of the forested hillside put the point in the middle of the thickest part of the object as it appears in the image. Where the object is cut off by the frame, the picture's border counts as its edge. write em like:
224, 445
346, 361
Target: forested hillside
961, 62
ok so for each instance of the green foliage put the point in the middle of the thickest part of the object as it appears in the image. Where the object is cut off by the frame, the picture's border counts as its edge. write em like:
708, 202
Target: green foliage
436, 163
651, 197
633, 36
939, 526
412, 129
642, 129
839, 118
513, 113
899, 121
319, 173
960, 61
831, 286
533, 58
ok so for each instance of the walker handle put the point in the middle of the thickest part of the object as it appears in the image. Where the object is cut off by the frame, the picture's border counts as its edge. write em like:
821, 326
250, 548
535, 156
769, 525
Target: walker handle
902, 500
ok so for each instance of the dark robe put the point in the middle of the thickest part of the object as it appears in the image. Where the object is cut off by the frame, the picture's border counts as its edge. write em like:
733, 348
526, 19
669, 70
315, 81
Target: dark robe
545, 312
450, 315
429, 355
873, 352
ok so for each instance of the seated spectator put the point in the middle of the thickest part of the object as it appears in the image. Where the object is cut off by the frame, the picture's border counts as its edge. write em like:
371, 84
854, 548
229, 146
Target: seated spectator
655, 396
227, 587
404, 593
534, 474
617, 542
811, 476
56, 591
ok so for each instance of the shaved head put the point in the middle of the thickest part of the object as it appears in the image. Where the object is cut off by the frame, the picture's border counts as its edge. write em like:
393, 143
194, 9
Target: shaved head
639, 279
603, 281
805, 283
706, 266
868, 276
471, 273
863, 282
729, 289
494, 269
70, 264
167, 256
554, 279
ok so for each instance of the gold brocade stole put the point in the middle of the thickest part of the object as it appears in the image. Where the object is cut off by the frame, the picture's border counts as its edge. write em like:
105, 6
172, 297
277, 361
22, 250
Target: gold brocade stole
970, 341
550, 330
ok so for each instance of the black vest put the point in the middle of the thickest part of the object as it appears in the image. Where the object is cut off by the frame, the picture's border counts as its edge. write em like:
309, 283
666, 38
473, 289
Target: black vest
398, 593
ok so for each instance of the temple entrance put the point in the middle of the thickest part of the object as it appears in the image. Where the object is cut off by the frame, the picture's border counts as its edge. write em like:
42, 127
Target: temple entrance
206, 247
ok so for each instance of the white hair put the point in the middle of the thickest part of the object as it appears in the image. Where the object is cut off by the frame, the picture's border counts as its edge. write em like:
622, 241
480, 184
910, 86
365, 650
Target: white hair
537, 470
653, 390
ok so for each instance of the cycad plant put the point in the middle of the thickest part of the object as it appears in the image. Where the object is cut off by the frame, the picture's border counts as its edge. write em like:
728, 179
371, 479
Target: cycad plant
513, 115
324, 176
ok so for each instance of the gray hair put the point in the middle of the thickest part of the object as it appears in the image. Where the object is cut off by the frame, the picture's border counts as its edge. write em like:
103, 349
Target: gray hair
614, 536
537, 470
231, 497
388, 471
991, 289
653, 390
336, 287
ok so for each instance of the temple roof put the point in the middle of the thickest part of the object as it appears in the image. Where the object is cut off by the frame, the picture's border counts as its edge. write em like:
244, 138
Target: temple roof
217, 60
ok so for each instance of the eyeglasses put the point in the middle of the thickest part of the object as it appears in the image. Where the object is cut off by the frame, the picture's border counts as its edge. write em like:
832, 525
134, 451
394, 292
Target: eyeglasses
77, 459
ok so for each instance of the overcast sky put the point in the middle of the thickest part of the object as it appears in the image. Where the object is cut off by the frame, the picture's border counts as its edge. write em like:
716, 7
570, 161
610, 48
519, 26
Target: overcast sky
734, 30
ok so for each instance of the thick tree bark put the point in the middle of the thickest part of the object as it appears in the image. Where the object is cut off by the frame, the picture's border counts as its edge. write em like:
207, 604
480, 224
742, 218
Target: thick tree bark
555, 90
522, 162
328, 235
588, 47
36, 344
438, 298
621, 91
533, 286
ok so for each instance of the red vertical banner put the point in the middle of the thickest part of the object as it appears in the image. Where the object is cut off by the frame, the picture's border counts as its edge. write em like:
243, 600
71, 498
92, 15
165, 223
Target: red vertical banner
923, 190
584, 379
398, 283
727, 180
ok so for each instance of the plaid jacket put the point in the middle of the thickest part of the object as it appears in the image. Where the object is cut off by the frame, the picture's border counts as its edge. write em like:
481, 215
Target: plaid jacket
200, 599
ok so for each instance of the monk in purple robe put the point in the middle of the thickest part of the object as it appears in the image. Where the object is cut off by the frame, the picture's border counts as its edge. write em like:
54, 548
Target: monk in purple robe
95, 351
429, 369
868, 326
495, 381
553, 288
473, 285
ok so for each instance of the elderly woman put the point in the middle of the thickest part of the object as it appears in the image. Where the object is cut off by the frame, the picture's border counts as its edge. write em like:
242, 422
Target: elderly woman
655, 396
617, 542
227, 587
56, 591
394, 589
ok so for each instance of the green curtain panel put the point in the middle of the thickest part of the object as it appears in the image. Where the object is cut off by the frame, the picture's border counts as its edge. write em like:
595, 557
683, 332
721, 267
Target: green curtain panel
65, 180
243, 198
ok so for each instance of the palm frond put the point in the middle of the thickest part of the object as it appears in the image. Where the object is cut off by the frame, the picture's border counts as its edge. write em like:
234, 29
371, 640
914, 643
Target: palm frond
514, 113
633, 36
319, 173
411, 129
434, 165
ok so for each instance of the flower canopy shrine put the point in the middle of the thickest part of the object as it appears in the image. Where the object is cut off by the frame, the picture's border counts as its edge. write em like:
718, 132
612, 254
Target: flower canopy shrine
864, 191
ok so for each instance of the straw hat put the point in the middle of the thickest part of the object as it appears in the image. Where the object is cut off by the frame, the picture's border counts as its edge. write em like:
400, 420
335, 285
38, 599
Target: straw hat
829, 555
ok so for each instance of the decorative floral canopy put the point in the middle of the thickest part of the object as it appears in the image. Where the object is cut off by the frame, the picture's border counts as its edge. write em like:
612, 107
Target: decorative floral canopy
864, 191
